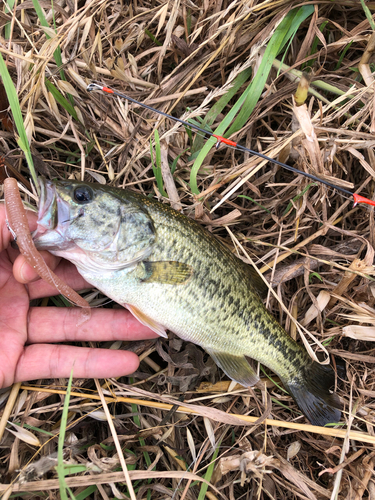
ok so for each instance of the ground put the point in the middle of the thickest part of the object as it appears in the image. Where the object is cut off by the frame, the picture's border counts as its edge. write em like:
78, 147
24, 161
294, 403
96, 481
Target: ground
196, 60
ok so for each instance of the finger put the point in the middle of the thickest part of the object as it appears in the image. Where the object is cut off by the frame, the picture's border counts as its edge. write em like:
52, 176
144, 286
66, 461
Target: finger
25, 273
67, 272
62, 324
5, 235
55, 361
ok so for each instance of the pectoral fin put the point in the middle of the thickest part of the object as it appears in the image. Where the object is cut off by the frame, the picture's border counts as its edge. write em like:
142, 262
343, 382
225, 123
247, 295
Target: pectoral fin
146, 320
167, 272
236, 367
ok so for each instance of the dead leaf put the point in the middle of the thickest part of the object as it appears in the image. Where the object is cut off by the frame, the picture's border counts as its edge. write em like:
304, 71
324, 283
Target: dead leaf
322, 301
358, 332
293, 450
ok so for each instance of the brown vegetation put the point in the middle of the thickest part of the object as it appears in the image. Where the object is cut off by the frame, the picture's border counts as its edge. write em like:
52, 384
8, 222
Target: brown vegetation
182, 56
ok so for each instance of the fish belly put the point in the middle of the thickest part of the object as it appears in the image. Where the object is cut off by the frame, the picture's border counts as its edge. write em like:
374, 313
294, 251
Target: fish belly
234, 328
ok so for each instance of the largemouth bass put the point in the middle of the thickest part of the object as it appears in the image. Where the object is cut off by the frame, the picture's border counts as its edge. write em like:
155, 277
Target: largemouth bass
174, 275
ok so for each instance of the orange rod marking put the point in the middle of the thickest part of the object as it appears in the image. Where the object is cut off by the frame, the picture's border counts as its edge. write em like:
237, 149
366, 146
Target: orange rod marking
361, 199
224, 140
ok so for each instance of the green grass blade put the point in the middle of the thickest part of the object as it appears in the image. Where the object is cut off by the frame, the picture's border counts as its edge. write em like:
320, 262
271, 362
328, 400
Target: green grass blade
326, 342
198, 163
153, 38
60, 468
189, 132
142, 442
70, 469
212, 141
256, 203
286, 29
43, 22
17, 116
137, 421
298, 196
250, 96
57, 54
10, 4
208, 475
174, 164
36, 429
317, 83
299, 17
314, 47
315, 275
156, 167
61, 99
87, 492
218, 107
342, 55
368, 14
40, 14
273, 381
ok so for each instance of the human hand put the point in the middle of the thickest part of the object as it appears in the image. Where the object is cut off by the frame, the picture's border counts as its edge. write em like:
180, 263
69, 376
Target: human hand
27, 333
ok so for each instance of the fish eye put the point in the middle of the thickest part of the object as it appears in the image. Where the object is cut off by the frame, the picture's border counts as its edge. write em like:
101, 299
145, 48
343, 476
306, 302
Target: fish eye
83, 194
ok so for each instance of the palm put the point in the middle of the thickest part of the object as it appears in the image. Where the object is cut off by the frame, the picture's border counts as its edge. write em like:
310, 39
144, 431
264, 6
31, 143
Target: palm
14, 305
26, 333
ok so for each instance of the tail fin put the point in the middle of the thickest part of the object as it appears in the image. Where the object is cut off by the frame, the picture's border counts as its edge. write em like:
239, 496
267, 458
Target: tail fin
310, 390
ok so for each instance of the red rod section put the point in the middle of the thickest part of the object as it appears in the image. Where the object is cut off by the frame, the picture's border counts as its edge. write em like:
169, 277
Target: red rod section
361, 199
106, 89
220, 138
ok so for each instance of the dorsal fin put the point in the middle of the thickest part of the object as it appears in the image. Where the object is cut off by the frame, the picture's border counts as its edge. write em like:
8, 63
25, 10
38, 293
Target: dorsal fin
256, 280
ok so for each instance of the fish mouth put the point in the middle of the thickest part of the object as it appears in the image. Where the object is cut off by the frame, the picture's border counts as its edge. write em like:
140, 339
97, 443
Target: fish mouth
53, 217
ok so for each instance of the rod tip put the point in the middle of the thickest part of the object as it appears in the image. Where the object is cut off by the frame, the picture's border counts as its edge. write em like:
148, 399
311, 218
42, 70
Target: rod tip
93, 86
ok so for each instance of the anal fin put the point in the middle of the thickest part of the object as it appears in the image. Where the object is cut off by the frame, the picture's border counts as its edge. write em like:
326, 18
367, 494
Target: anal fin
236, 367
147, 321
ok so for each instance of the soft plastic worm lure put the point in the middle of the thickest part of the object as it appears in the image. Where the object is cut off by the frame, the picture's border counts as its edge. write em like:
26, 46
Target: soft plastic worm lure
222, 140
19, 227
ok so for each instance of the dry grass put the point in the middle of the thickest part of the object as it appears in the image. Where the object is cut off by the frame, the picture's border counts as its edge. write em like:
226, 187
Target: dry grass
317, 249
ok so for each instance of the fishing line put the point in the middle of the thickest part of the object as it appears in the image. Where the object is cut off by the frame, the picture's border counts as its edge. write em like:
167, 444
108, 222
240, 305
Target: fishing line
223, 140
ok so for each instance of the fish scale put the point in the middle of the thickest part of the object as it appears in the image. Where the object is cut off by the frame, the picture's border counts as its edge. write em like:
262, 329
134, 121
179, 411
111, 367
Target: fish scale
172, 274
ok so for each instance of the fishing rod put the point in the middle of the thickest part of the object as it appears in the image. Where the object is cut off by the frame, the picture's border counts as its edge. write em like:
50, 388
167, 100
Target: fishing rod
223, 140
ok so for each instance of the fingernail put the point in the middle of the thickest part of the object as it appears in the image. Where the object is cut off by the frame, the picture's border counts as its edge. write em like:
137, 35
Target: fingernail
21, 271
